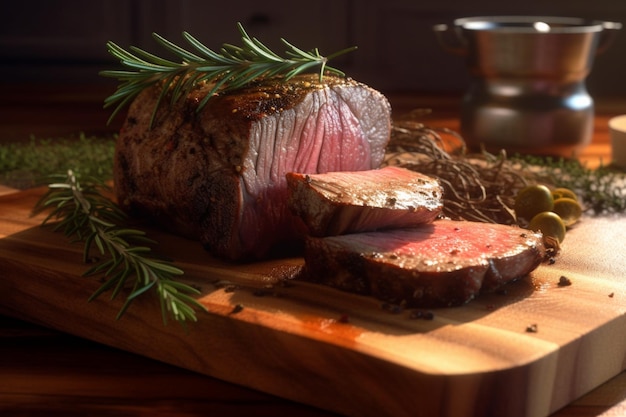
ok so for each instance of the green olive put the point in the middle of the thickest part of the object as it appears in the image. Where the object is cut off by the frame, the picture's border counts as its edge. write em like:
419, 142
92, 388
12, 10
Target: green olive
532, 200
564, 193
568, 210
550, 224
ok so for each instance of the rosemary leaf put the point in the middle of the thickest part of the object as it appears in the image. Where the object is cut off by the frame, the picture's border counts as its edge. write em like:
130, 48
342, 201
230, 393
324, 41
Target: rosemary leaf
230, 68
85, 215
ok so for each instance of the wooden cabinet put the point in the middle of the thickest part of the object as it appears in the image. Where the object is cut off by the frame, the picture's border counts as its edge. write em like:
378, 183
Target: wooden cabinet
321, 24
68, 30
64, 40
43, 40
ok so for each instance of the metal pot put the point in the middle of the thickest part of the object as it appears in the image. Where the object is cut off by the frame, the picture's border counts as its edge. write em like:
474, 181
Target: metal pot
528, 73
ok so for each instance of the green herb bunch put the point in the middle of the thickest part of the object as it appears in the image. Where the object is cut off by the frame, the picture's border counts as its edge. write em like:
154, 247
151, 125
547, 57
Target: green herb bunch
230, 68
87, 216
29, 163
602, 189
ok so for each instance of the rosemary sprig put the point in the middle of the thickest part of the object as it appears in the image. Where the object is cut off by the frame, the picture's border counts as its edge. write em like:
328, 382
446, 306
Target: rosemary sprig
86, 215
230, 68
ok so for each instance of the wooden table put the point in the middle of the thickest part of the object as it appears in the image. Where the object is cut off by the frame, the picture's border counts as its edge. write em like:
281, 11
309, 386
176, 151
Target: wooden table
45, 372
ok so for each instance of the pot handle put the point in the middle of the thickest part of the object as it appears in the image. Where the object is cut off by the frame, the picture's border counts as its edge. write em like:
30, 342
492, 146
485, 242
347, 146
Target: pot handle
450, 38
607, 36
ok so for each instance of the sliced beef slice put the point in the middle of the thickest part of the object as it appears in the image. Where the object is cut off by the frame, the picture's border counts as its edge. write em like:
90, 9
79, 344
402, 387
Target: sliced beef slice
218, 175
445, 263
337, 203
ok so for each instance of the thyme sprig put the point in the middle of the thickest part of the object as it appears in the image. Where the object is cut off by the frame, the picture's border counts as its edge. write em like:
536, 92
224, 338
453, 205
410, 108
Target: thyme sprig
602, 189
86, 215
230, 68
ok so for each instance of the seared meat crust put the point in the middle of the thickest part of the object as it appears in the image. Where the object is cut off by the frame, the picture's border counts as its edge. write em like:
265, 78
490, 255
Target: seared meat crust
218, 175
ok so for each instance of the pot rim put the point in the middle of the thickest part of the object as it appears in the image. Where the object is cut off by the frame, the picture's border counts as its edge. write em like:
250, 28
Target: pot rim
533, 24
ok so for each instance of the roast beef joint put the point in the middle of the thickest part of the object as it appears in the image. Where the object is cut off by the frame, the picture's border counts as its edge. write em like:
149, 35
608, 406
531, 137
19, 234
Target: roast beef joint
218, 175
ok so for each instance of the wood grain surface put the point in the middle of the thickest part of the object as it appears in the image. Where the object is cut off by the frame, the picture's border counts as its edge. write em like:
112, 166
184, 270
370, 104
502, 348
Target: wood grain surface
340, 352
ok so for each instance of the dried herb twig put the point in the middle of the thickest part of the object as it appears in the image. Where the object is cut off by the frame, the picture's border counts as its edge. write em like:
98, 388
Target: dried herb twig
483, 186
480, 188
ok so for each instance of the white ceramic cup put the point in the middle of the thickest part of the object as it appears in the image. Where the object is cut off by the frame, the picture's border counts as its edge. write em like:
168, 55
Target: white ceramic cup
617, 129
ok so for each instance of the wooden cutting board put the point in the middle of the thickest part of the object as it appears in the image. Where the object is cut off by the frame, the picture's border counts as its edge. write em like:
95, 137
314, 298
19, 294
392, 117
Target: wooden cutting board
339, 351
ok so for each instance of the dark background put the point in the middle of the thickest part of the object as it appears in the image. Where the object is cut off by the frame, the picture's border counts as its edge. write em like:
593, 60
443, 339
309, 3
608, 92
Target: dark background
63, 41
